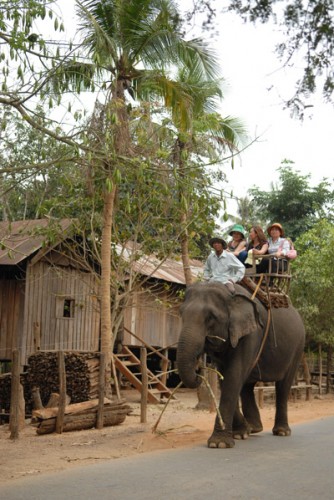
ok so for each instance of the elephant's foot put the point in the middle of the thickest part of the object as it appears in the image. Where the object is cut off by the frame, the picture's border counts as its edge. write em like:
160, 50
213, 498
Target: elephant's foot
256, 428
221, 439
255, 425
282, 430
241, 431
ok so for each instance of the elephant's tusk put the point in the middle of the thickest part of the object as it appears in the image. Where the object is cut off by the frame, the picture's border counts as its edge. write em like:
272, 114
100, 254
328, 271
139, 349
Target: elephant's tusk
215, 337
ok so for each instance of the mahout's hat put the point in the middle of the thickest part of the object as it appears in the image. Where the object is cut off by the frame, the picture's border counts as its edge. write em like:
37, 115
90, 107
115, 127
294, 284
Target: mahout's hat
217, 239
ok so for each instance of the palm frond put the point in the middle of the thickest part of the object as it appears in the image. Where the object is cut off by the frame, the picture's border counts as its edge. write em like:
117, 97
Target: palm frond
97, 26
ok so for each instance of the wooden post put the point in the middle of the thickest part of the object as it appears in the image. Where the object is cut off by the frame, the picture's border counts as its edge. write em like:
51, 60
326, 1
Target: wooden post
15, 397
62, 392
260, 395
307, 377
320, 369
102, 369
36, 397
213, 382
164, 366
114, 373
144, 382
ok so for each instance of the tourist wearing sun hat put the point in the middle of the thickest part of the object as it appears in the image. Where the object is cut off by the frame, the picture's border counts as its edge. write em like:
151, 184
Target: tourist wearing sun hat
278, 226
222, 266
238, 242
278, 246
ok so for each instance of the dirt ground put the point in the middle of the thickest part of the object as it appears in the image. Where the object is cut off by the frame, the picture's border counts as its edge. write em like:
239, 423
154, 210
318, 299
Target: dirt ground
181, 425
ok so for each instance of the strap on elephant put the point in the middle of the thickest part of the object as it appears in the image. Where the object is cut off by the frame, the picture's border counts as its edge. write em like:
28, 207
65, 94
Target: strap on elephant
268, 305
263, 339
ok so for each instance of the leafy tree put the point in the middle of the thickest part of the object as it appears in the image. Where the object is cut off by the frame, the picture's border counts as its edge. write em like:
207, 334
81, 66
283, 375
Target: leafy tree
293, 203
307, 29
34, 168
127, 48
206, 136
248, 214
312, 289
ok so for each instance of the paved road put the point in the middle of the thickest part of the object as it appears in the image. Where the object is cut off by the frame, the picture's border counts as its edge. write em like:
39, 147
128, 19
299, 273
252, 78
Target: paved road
264, 467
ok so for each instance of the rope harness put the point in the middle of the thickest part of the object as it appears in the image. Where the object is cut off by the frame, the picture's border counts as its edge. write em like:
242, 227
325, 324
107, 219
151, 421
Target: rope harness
269, 299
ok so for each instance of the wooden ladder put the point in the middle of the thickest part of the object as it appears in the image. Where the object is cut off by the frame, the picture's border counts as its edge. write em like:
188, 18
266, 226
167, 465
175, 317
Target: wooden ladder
125, 360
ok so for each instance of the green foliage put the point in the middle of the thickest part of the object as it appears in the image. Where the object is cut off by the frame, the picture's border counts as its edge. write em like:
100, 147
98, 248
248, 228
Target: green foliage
34, 170
248, 214
312, 289
293, 203
21, 46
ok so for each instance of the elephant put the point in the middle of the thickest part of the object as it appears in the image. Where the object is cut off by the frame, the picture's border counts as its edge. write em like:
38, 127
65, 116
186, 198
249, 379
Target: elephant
230, 328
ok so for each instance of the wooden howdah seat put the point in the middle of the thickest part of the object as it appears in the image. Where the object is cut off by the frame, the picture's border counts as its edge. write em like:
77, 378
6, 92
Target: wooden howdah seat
272, 288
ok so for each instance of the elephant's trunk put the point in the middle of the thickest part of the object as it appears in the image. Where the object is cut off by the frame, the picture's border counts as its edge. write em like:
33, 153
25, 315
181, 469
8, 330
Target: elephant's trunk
188, 351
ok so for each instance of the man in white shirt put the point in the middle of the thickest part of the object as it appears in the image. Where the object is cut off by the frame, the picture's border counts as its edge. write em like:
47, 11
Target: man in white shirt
222, 266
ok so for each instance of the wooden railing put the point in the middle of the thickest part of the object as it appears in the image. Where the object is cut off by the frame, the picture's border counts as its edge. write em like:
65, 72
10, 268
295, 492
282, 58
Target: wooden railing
279, 278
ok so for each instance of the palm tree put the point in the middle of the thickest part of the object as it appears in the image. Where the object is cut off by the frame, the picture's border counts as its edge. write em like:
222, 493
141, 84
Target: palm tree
128, 47
208, 135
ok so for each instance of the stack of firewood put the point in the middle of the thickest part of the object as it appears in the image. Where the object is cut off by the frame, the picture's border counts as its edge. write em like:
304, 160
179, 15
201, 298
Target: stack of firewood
5, 391
82, 372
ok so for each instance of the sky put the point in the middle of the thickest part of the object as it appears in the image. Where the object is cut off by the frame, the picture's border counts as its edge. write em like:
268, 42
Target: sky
251, 68
254, 88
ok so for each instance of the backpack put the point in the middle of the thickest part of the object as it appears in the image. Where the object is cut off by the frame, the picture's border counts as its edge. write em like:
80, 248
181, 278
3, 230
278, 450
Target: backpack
292, 253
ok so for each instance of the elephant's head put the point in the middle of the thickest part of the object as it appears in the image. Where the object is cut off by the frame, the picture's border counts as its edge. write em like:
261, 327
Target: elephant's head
212, 316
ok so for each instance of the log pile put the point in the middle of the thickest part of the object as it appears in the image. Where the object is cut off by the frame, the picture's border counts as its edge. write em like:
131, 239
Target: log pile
5, 391
81, 416
82, 372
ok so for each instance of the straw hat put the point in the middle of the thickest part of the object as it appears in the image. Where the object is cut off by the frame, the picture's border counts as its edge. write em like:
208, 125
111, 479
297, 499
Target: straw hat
276, 224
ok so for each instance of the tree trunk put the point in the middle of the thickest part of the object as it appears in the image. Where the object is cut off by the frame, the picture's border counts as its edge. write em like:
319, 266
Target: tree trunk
106, 327
180, 148
185, 251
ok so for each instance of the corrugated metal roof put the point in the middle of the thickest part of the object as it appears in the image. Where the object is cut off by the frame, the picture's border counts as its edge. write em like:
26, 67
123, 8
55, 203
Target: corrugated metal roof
20, 239
170, 270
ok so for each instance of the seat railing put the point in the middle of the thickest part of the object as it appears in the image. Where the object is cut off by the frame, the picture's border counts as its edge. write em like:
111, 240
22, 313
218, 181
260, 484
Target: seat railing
277, 275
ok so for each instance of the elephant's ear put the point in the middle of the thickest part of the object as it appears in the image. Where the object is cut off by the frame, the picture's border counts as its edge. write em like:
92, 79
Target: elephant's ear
244, 318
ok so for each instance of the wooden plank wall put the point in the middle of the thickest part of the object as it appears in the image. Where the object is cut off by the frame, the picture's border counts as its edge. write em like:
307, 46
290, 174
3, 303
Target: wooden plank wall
46, 289
11, 316
153, 321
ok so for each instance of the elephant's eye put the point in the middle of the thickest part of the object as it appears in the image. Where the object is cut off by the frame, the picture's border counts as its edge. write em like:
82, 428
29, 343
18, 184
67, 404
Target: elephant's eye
211, 321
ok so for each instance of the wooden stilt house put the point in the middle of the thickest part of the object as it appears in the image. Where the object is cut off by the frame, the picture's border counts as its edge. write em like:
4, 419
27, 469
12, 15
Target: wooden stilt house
50, 301
47, 300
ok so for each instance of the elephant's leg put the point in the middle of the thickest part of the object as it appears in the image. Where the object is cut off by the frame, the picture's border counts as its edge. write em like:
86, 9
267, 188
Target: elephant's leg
222, 437
240, 428
281, 426
250, 409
